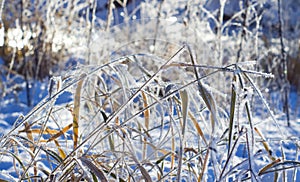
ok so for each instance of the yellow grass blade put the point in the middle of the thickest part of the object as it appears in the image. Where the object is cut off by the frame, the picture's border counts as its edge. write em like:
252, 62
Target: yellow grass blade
173, 150
146, 116
61, 132
29, 135
204, 168
264, 169
265, 144
76, 112
277, 166
62, 154
146, 112
199, 130
38, 131
26, 127
50, 131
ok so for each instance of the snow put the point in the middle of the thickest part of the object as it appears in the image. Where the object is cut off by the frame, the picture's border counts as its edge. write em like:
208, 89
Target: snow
267, 116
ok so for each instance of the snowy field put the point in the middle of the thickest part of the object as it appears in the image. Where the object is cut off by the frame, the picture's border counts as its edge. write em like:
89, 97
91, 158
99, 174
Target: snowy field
151, 91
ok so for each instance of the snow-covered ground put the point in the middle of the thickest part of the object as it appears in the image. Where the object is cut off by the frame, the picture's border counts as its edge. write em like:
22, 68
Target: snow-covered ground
136, 39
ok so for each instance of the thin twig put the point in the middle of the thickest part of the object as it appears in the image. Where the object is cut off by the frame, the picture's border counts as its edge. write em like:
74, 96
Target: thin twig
243, 36
283, 66
109, 14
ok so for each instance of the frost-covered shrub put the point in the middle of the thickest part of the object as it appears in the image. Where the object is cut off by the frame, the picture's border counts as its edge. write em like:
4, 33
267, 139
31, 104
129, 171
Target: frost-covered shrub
127, 121
44, 37
169, 94
37, 35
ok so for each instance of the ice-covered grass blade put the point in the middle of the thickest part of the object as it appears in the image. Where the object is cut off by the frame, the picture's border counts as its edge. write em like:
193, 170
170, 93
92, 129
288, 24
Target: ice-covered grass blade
232, 113
76, 114
184, 107
95, 169
255, 87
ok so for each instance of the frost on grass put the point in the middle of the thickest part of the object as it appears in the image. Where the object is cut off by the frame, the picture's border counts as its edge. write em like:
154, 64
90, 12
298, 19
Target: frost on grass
154, 103
131, 121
